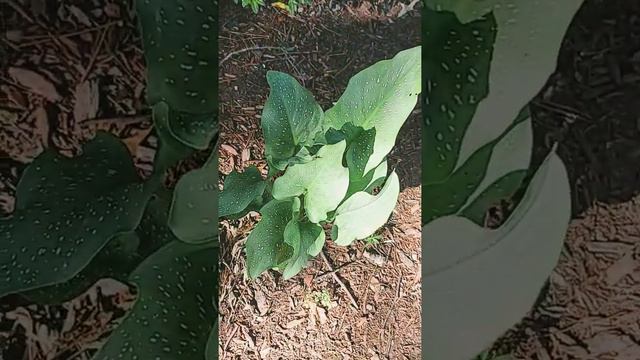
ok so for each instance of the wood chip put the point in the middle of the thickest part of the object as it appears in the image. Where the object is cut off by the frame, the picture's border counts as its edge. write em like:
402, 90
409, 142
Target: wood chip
86, 101
261, 302
36, 83
293, 323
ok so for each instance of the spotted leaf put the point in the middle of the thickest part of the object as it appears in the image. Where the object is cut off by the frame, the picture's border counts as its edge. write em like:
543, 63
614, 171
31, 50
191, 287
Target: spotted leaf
323, 181
510, 152
304, 238
456, 71
173, 316
381, 96
116, 260
240, 191
212, 344
66, 211
362, 213
180, 47
182, 129
265, 245
290, 119
194, 212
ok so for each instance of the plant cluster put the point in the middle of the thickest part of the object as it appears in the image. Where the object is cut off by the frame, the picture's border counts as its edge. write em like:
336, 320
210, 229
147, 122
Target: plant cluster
323, 166
81, 219
485, 61
291, 6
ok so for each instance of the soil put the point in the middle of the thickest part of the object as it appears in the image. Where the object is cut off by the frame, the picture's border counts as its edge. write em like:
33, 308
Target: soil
312, 316
590, 104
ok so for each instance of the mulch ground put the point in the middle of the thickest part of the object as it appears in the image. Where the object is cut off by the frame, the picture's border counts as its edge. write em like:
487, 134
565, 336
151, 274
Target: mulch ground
590, 309
311, 316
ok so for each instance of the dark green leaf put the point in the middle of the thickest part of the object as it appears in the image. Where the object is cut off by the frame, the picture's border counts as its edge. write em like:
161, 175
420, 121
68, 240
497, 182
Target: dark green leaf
240, 190
67, 211
304, 238
265, 245
173, 316
291, 118
457, 71
180, 47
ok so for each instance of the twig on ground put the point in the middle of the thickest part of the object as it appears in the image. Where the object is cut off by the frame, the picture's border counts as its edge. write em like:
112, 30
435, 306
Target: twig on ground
331, 272
233, 332
337, 279
391, 311
94, 55
229, 55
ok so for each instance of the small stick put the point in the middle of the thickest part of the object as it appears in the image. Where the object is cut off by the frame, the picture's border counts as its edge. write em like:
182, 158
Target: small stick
233, 332
229, 55
94, 55
337, 279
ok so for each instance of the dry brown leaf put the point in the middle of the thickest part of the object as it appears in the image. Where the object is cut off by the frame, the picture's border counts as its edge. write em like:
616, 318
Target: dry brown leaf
36, 83
229, 149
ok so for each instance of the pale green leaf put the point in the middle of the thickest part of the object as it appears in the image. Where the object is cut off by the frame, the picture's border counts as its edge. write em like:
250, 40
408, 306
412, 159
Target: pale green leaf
512, 152
381, 96
478, 282
323, 182
526, 38
362, 213
193, 217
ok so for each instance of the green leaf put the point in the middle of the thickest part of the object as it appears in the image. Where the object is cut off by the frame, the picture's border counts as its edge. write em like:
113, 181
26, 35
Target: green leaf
193, 217
173, 316
195, 131
381, 96
291, 118
180, 48
211, 352
510, 152
457, 73
170, 149
502, 270
67, 210
449, 196
378, 176
265, 245
502, 189
525, 38
359, 149
303, 237
240, 190
362, 214
323, 182
465, 10
116, 260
